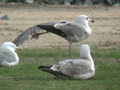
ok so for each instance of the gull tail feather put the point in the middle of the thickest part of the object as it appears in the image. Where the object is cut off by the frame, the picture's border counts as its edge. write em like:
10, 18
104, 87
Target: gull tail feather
49, 70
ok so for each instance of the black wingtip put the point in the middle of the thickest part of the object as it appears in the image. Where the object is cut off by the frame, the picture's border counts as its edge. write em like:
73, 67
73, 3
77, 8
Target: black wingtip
93, 21
48, 69
40, 67
44, 67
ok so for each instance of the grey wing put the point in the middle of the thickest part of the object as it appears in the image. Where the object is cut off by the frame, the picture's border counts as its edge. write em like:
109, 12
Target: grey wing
37, 30
70, 28
6, 55
72, 68
33, 31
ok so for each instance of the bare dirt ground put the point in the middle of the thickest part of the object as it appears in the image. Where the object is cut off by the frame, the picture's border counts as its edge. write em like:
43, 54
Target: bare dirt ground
106, 29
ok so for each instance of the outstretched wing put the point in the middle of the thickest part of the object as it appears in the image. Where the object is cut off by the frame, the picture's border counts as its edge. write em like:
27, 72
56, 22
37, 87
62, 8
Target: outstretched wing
49, 27
71, 29
37, 30
32, 31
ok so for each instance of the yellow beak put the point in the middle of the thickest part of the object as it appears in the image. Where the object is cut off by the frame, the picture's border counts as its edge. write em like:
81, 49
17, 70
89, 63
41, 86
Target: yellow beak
18, 49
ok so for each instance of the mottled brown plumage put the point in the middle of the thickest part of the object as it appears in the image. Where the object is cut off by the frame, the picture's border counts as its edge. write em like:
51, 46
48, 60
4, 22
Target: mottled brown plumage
82, 68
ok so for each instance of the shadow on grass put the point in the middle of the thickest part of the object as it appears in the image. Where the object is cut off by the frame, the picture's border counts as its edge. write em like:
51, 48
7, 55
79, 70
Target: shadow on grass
44, 76
33, 78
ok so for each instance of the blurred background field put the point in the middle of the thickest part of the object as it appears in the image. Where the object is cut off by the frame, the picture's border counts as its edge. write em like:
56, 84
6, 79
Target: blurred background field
106, 29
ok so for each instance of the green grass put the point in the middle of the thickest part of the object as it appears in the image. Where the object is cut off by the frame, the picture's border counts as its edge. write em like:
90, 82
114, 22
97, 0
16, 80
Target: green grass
26, 76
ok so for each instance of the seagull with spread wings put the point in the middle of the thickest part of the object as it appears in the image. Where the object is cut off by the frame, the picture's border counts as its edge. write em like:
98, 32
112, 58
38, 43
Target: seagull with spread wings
73, 32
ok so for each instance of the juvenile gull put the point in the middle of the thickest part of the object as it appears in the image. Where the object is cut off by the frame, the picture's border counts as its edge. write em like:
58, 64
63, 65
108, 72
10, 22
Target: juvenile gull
75, 31
82, 68
8, 56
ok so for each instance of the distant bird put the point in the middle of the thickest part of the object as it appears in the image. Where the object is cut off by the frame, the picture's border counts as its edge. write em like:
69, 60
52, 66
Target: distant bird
8, 56
82, 68
5, 17
75, 31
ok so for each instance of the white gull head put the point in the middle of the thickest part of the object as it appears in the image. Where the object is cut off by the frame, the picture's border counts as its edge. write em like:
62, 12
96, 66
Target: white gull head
9, 45
83, 19
84, 51
86, 54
